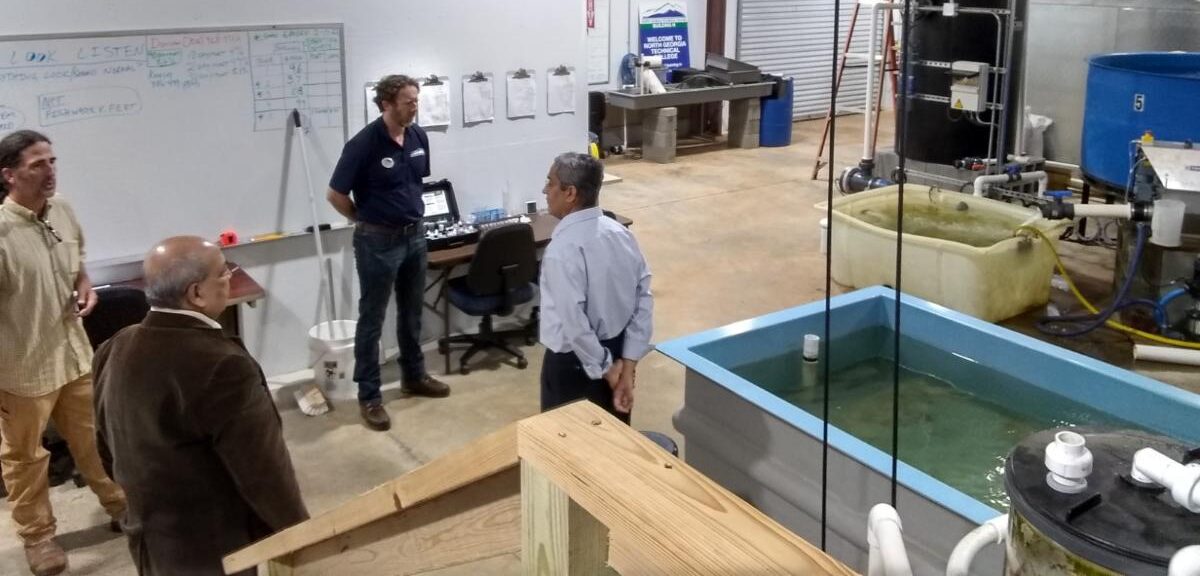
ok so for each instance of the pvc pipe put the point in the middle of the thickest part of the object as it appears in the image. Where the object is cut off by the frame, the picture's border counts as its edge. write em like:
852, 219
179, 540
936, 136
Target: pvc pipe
1124, 211
1024, 177
1150, 465
1069, 462
810, 362
993, 531
887, 556
1166, 354
869, 101
1185, 562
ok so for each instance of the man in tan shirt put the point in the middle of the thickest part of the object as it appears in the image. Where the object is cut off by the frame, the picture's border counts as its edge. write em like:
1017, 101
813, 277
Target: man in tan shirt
45, 359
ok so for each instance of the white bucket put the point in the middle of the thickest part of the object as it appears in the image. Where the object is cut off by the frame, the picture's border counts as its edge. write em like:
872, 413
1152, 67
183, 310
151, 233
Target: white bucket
331, 354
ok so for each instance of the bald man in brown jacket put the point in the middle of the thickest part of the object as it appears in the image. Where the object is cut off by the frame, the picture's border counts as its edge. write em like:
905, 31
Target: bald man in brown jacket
185, 418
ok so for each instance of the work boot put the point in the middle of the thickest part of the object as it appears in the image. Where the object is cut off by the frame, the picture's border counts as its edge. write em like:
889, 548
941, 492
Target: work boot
375, 416
426, 386
46, 558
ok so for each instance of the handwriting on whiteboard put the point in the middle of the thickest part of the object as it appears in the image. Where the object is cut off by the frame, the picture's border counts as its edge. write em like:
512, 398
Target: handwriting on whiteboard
72, 106
11, 119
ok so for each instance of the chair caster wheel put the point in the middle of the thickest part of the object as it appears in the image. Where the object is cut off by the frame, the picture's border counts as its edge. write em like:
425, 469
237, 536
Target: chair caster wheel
464, 370
522, 363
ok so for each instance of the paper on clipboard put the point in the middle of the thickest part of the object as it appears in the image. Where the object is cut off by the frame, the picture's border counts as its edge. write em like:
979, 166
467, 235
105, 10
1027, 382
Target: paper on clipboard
433, 105
560, 91
478, 104
522, 95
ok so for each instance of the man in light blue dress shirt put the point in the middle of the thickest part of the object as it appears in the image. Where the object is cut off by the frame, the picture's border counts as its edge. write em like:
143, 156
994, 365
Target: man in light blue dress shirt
596, 306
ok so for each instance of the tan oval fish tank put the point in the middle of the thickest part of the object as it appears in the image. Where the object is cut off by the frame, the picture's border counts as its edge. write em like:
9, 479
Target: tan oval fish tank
960, 251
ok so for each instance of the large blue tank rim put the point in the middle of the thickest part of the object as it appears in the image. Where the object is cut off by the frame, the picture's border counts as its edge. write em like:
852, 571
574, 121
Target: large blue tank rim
1182, 64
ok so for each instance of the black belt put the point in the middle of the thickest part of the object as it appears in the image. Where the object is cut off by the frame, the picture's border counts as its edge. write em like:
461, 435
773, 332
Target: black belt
406, 229
609, 344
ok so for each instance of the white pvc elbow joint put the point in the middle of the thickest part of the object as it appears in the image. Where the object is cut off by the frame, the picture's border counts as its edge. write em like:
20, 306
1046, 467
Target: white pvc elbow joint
1150, 465
1069, 462
885, 541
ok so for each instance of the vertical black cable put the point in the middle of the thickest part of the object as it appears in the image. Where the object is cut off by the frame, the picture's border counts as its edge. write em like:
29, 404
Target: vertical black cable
901, 137
833, 90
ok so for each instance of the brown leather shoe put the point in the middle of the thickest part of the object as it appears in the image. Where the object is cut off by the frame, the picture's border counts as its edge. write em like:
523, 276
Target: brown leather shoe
426, 386
46, 558
375, 416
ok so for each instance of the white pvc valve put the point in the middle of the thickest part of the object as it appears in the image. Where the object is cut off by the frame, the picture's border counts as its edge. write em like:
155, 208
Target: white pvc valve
1166, 224
812, 347
1152, 466
1069, 463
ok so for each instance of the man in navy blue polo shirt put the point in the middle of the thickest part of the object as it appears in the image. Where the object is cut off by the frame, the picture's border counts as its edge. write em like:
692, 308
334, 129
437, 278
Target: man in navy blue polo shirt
383, 166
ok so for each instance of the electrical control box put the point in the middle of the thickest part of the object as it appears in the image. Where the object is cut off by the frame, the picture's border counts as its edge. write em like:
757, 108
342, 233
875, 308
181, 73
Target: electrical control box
969, 86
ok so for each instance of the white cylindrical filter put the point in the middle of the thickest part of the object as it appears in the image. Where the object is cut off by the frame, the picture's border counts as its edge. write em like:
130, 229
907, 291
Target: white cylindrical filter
331, 355
1166, 354
810, 361
824, 239
1166, 226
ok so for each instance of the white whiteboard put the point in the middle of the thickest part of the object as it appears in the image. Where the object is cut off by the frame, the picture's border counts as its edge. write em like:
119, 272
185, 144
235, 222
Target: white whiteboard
170, 132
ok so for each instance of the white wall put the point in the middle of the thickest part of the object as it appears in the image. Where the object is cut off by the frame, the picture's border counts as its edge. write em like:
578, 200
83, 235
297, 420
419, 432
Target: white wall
491, 165
623, 27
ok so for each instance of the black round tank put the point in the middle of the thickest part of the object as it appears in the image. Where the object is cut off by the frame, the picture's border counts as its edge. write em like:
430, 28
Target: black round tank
936, 133
1116, 525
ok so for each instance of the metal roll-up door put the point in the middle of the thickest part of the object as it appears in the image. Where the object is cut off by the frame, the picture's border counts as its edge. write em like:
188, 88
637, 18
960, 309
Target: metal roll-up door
794, 38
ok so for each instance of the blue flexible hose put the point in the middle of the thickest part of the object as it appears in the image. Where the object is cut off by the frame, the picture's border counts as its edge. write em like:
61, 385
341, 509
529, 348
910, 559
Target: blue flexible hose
1164, 301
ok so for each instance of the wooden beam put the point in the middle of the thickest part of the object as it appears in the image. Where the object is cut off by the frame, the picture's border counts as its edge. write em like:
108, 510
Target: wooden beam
670, 518
482, 458
473, 523
558, 536
281, 566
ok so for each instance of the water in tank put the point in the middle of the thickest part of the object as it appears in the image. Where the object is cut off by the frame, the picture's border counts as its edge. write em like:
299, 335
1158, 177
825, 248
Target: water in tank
1129, 94
1116, 525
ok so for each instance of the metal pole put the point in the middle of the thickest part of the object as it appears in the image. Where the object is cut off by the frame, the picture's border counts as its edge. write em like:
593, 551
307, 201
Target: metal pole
312, 205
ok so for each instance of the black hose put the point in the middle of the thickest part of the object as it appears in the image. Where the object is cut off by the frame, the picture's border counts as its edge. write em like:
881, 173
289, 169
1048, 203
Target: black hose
833, 89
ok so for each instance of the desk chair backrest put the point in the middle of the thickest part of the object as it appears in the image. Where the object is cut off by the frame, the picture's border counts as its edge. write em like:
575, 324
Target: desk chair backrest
505, 260
116, 308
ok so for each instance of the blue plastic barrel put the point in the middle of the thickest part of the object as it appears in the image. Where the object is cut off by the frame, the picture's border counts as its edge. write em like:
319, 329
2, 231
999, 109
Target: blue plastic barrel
775, 121
1128, 94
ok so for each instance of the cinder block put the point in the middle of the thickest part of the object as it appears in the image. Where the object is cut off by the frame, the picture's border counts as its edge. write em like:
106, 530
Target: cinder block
659, 134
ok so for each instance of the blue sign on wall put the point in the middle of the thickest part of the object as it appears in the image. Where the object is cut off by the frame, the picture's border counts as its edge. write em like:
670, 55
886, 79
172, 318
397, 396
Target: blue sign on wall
663, 31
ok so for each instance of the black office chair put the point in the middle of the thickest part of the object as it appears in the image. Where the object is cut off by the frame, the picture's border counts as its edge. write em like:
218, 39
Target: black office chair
116, 308
500, 277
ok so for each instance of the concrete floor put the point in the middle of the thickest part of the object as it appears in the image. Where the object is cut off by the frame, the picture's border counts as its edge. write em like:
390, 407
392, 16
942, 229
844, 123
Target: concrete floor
729, 234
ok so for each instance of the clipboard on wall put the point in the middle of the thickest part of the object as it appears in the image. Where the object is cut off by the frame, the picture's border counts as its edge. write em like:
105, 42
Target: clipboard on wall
560, 90
478, 98
521, 94
433, 106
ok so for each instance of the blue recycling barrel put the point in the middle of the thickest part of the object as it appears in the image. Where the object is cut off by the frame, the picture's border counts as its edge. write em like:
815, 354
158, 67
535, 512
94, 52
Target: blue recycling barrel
1128, 94
775, 120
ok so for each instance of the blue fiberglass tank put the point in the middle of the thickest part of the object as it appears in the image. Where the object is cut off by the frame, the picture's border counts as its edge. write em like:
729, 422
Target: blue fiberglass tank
1128, 94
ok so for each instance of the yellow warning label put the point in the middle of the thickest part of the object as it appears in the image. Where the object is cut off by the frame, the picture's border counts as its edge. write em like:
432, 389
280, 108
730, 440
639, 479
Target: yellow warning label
958, 104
